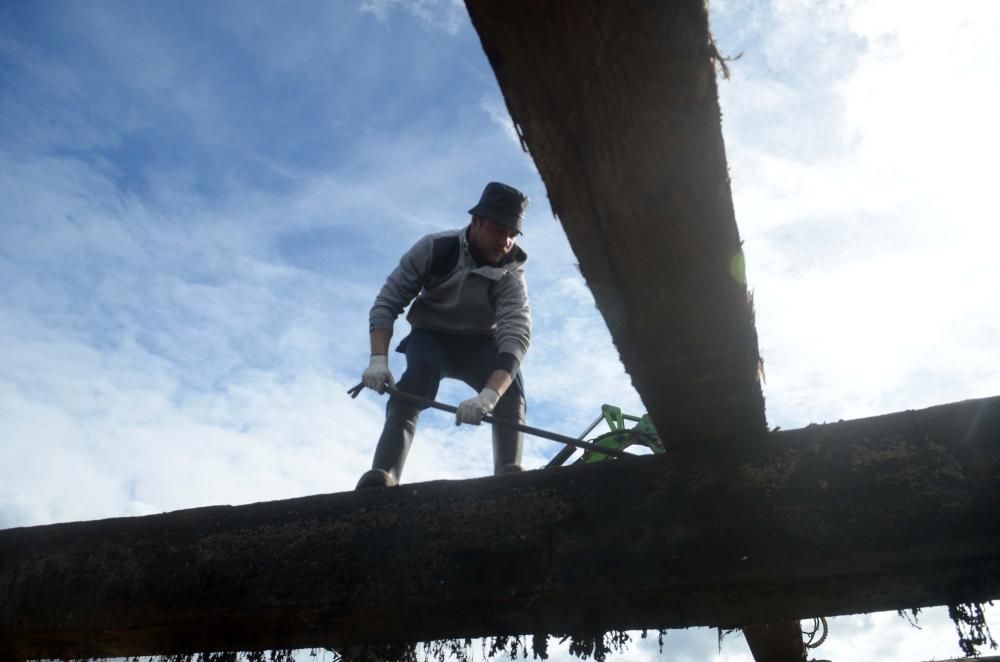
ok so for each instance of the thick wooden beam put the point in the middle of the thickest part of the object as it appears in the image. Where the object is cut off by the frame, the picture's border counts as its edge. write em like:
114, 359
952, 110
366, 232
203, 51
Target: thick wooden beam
776, 642
890, 512
617, 104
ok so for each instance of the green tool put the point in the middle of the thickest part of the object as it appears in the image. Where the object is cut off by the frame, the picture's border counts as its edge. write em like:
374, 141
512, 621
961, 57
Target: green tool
618, 438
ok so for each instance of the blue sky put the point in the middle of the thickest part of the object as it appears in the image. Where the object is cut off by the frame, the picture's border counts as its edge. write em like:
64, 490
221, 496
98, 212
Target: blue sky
202, 200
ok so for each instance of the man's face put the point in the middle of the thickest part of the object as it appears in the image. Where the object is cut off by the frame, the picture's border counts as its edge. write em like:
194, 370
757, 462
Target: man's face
490, 240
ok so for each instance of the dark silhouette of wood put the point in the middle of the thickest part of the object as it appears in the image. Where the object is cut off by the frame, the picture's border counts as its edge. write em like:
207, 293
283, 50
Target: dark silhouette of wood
617, 104
776, 642
889, 512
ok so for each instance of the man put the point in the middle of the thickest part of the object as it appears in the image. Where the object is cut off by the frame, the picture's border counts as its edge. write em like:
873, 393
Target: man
470, 320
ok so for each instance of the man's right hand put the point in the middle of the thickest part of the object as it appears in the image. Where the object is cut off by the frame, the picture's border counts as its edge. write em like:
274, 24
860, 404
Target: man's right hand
378, 375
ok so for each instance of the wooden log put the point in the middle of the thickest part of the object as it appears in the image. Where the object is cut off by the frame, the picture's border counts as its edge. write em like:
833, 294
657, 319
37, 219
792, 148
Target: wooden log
891, 512
617, 104
776, 642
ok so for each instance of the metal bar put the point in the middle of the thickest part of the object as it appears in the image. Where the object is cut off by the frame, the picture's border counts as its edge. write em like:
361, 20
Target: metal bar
536, 432
564, 454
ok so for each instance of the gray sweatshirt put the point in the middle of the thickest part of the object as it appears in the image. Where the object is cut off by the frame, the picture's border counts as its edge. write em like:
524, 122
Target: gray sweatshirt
452, 294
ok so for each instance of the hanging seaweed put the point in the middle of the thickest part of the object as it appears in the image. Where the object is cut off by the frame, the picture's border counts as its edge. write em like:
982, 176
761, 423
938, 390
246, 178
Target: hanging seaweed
970, 623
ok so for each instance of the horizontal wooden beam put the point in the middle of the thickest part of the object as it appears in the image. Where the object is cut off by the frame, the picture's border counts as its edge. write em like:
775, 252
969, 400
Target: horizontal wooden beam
896, 511
618, 106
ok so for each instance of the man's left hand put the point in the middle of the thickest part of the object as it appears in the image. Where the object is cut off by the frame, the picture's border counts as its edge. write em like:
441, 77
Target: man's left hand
471, 411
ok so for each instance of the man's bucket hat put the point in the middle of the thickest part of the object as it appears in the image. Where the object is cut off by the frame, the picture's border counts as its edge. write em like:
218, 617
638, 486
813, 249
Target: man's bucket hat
502, 204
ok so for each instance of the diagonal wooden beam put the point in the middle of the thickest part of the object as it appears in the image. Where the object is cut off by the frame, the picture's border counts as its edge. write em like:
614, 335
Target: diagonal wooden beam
891, 512
617, 104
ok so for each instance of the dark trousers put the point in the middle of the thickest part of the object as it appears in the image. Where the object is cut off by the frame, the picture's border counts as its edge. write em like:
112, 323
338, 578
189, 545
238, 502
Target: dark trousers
430, 357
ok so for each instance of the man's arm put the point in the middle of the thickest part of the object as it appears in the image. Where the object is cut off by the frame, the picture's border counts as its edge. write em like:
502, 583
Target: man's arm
500, 381
377, 375
400, 288
513, 330
513, 336
380, 341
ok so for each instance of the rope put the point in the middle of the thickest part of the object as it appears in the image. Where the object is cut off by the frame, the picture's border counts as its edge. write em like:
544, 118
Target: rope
817, 624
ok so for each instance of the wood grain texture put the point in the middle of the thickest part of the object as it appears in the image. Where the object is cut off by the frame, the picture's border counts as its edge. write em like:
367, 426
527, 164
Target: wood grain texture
617, 104
883, 513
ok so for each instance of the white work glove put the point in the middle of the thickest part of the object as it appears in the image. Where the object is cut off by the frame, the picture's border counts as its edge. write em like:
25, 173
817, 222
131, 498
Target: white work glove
377, 375
471, 411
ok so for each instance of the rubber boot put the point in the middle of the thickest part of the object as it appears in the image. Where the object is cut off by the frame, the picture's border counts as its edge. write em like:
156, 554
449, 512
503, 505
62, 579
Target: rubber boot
508, 442
393, 446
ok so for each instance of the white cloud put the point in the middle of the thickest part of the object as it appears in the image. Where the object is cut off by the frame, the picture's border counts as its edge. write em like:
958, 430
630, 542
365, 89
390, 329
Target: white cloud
923, 102
445, 15
499, 115
153, 341
862, 192
120, 428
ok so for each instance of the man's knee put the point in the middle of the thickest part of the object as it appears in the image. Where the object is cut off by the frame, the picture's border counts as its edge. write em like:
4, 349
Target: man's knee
421, 378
